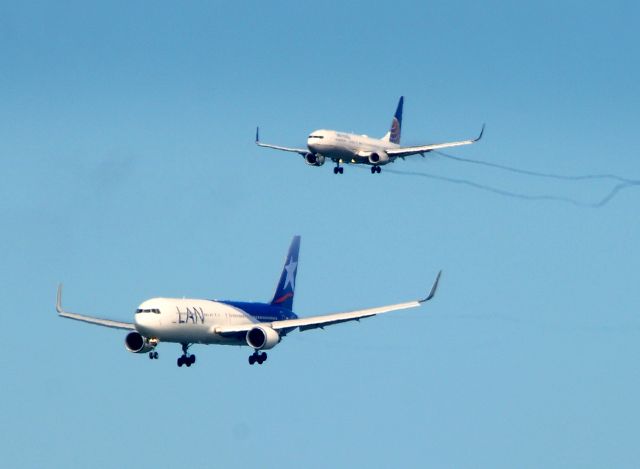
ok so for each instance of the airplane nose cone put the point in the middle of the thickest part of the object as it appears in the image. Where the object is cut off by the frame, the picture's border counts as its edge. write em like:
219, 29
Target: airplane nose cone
144, 322
312, 146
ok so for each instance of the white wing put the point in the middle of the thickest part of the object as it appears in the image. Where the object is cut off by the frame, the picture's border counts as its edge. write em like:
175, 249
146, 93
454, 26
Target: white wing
301, 151
420, 149
314, 322
90, 319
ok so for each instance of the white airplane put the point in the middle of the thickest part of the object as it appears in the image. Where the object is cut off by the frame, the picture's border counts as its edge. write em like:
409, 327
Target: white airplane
261, 326
347, 148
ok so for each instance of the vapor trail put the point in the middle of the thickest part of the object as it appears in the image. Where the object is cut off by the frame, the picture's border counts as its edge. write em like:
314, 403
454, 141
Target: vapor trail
536, 173
606, 199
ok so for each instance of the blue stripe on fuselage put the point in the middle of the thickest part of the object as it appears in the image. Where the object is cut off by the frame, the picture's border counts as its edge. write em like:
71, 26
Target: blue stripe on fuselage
262, 312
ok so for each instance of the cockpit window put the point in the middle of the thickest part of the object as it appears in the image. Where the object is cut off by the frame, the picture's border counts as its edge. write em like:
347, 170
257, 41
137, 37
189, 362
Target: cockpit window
316, 136
153, 310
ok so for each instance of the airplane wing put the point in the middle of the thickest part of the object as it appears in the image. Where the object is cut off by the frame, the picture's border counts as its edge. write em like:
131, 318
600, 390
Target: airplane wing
301, 151
421, 149
89, 319
314, 322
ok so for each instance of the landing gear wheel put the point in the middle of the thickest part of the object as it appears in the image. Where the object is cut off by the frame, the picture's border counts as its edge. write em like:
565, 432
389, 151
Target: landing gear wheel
150, 355
341, 170
378, 169
185, 359
335, 170
373, 169
257, 357
155, 355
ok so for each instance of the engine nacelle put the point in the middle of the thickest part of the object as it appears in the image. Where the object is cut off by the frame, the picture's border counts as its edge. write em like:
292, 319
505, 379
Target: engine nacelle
262, 338
378, 157
137, 343
314, 159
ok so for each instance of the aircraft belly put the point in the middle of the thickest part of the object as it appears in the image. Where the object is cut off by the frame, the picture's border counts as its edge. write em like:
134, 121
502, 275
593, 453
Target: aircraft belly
195, 334
337, 153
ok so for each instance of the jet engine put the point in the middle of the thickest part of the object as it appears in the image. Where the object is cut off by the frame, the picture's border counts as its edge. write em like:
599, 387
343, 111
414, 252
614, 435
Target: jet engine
378, 157
262, 338
314, 159
137, 343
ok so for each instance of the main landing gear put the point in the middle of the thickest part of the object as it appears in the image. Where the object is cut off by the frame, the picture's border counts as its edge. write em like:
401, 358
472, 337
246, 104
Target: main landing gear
375, 169
153, 355
338, 169
186, 359
260, 358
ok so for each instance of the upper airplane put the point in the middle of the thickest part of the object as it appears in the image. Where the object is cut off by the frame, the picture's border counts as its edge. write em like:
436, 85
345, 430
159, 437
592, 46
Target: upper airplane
261, 326
347, 148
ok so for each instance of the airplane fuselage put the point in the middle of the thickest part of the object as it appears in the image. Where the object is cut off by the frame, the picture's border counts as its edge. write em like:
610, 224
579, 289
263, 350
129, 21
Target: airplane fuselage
195, 321
346, 147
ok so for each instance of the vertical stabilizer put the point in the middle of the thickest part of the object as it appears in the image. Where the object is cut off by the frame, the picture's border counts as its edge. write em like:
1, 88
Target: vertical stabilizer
393, 135
283, 296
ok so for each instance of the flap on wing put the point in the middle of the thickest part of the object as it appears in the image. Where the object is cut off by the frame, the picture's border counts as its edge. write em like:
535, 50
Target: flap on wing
99, 321
302, 151
331, 323
314, 322
420, 149
89, 319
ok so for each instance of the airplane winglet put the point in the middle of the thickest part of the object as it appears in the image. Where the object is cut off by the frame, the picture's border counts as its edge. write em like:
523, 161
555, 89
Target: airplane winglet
59, 300
257, 134
481, 132
432, 293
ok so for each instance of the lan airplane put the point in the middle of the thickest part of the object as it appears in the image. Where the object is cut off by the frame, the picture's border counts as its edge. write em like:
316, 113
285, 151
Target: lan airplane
343, 147
261, 326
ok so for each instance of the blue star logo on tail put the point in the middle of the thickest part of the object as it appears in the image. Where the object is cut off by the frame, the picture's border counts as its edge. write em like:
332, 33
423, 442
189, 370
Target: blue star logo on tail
291, 274
283, 296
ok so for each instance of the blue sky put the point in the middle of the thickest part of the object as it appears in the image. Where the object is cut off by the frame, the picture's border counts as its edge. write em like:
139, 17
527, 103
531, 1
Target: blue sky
129, 171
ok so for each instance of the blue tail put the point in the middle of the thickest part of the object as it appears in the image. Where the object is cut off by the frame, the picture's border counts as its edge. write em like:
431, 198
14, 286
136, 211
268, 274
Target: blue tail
396, 123
283, 296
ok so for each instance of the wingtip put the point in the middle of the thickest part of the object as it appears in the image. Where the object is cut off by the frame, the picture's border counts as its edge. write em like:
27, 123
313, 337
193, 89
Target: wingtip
59, 299
434, 288
481, 133
257, 134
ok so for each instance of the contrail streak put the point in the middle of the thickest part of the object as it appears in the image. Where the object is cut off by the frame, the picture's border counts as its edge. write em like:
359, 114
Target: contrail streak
516, 195
536, 173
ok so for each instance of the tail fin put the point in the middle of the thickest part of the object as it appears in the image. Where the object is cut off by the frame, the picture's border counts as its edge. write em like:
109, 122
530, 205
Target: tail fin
393, 135
283, 296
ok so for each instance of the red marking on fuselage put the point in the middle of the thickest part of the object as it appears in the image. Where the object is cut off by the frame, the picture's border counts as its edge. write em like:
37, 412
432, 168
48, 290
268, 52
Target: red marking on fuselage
283, 298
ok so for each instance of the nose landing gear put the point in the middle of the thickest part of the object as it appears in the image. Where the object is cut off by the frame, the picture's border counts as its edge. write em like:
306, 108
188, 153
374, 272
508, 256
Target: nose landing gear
186, 359
259, 358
